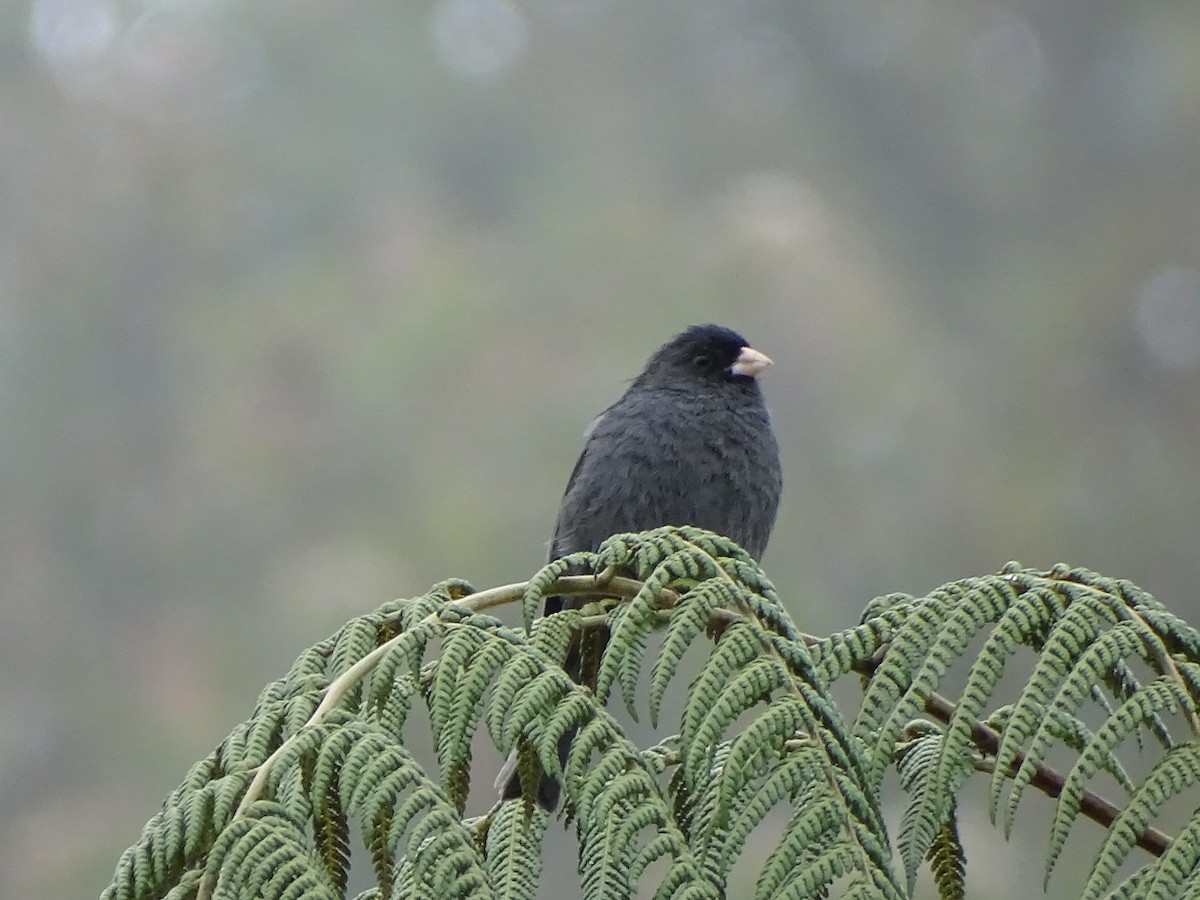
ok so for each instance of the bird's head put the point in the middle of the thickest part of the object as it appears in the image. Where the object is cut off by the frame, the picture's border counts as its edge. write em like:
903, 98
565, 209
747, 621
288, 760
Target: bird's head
704, 354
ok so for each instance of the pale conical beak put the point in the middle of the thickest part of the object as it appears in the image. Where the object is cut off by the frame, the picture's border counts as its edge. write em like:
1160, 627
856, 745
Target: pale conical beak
750, 362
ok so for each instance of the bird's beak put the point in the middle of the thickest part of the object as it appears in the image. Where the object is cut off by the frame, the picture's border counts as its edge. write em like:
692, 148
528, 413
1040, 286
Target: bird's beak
750, 362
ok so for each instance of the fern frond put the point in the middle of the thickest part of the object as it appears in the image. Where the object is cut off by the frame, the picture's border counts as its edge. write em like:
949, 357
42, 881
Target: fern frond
1093, 666
1023, 621
814, 819
948, 861
624, 824
843, 652
744, 674
737, 648
934, 634
1085, 630
923, 764
264, 854
271, 812
332, 836
177, 837
513, 848
1164, 694
1079, 625
631, 624
533, 597
1132, 887
469, 661
688, 620
1177, 772
1176, 874
384, 785
782, 783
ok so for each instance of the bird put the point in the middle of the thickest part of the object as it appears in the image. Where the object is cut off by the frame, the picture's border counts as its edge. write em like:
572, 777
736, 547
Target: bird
688, 443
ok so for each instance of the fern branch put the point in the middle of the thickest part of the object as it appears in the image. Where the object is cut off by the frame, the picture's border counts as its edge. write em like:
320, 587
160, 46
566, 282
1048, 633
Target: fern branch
602, 584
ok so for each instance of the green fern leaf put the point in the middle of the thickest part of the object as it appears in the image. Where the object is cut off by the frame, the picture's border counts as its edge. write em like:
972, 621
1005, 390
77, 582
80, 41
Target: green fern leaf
1093, 665
1177, 772
1162, 694
948, 861
924, 764
514, 850
782, 784
470, 658
890, 682
264, 855
1025, 616
688, 620
1177, 872
1073, 631
940, 632
757, 745
537, 587
632, 623
739, 646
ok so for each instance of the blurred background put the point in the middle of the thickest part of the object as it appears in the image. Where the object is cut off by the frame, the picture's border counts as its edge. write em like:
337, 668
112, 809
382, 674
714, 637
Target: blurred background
305, 306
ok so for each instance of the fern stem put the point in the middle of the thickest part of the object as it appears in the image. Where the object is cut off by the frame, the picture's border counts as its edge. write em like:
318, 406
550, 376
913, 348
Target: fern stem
603, 583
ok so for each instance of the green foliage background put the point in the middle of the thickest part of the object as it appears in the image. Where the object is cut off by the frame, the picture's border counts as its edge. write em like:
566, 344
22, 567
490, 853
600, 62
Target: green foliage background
304, 308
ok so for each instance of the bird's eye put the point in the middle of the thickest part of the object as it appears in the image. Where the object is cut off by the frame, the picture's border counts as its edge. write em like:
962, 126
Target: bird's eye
702, 361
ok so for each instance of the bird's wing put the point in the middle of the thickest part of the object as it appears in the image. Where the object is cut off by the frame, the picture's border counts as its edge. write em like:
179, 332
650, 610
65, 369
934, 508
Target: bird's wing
554, 604
555, 549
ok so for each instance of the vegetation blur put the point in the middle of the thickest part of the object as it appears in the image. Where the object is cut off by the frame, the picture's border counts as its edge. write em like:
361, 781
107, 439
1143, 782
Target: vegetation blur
306, 306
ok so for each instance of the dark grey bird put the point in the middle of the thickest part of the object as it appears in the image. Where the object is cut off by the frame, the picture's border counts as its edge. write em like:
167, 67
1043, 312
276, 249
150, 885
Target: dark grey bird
689, 443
